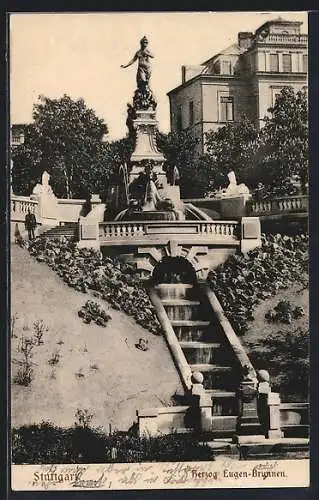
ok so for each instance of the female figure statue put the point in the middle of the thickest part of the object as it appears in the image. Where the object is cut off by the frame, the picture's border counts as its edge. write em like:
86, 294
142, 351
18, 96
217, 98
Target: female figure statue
143, 56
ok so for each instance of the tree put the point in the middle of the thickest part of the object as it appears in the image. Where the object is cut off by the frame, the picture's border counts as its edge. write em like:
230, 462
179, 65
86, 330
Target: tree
232, 147
65, 139
286, 355
285, 142
180, 150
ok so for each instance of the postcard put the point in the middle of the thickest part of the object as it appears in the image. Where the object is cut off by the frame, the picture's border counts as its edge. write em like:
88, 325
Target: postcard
159, 330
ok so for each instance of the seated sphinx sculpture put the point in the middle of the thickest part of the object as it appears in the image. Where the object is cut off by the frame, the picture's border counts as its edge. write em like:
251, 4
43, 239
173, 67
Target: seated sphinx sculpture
233, 189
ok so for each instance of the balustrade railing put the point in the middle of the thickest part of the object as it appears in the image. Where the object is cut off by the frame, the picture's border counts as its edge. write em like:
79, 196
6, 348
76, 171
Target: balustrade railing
279, 205
109, 231
286, 38
20, 205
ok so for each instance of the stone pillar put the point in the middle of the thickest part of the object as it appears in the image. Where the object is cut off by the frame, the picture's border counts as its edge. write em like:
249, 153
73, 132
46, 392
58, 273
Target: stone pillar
204, 401
250, 234
88, 233
267, 61
263, 391
280, 62
205, 405
274, 415
248, 421
294, 62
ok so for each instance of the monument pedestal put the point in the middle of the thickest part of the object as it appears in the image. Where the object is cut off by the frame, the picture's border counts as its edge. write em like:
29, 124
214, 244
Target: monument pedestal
145, 126
248, 422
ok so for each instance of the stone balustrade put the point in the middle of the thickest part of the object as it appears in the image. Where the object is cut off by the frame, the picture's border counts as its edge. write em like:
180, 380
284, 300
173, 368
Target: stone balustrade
223, 230
20, 206
288, 204
286, 38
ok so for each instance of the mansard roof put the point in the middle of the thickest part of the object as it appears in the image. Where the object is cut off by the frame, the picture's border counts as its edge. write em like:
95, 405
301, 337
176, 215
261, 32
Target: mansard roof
231, 50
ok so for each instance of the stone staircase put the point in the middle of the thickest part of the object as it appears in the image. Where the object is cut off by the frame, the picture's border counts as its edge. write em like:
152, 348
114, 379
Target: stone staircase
205, 349
69, 230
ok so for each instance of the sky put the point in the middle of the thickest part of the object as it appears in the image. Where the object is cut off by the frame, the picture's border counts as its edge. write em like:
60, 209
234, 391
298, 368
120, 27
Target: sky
80, 54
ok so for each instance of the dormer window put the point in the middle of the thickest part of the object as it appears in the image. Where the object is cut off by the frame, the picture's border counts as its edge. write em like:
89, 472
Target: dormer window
226, 67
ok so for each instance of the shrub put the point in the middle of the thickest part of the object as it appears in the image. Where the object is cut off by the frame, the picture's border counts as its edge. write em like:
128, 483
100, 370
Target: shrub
243, 281
92, 311
83, 417
286, 356
284, 312
87, 270
25, 373
39, 328
45, 443
55, 358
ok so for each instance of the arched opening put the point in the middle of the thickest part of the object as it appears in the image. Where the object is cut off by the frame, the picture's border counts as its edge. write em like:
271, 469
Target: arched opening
174, 270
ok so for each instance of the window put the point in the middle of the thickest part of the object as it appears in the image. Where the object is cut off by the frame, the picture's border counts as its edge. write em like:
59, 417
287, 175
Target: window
275, 97
305, 63
226, 67
179, 122
226, 109
191, 113
274, 63
286, 63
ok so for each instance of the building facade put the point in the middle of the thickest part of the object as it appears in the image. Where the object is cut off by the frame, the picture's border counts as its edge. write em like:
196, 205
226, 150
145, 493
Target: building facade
242, 80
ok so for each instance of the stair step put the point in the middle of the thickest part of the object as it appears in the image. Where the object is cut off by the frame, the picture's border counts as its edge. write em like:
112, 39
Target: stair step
195, 344
180, 302
189, 322
224, 425
221, 394
205, 367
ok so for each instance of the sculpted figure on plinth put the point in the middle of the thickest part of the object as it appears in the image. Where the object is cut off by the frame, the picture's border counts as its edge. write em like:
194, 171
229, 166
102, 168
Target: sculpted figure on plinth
143, 97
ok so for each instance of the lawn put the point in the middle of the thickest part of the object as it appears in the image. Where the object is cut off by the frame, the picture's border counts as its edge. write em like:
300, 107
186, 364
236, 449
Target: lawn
98, 369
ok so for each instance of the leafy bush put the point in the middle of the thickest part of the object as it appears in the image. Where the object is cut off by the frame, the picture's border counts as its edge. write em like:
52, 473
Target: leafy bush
286, 356
45, 443
243, 281
284, 312
92, 311
87, 270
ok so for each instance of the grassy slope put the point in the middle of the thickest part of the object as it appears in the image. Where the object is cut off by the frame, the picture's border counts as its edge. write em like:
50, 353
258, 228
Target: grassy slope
260, 328
126, 379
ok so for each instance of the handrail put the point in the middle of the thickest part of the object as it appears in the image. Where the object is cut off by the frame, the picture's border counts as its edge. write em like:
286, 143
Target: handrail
172, 341
231, 336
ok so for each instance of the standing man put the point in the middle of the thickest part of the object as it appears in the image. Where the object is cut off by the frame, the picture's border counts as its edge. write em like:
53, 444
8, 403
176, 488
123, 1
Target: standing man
30, 224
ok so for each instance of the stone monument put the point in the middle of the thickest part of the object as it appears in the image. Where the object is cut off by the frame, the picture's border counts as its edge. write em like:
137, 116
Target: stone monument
47, 201
142, 120
233, 189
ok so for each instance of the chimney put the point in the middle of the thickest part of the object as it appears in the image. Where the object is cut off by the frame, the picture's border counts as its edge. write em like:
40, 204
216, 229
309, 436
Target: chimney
183, 74
244, 39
